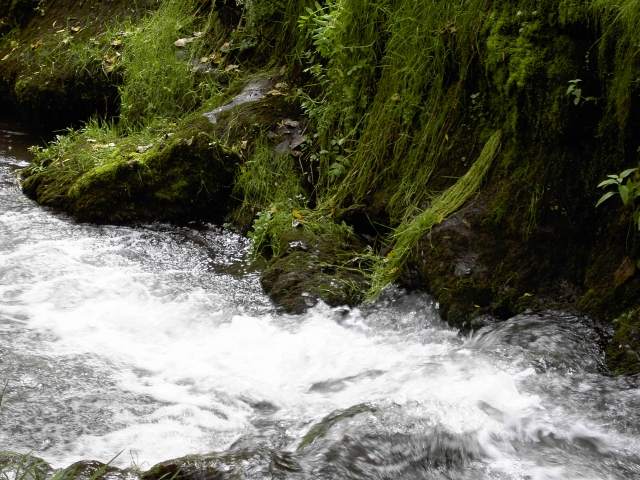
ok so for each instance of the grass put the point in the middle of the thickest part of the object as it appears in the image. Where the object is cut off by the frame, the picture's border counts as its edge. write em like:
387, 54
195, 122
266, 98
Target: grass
406, 237
157, 83
268, 178
79, 151
418, 76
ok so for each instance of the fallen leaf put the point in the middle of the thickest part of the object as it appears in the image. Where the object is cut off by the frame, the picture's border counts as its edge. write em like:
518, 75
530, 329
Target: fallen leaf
232, 68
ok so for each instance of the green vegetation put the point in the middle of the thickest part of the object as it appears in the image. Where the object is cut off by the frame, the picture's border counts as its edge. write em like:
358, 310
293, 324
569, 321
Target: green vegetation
627, 187
156, 82
406, 237
624, 350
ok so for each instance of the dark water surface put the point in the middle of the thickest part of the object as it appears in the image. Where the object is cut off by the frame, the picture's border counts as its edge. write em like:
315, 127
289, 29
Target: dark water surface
143, 340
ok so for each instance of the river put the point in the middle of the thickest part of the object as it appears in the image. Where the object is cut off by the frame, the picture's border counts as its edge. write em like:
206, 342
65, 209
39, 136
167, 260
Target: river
154, 342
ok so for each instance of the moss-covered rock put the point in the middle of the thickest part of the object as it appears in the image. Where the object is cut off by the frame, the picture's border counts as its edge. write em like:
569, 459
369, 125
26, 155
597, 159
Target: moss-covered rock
92, 470
182, 179
473, 269
25, 467
623, 353
312, 267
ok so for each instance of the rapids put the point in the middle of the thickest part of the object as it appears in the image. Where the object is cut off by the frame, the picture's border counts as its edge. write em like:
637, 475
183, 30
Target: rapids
152, 342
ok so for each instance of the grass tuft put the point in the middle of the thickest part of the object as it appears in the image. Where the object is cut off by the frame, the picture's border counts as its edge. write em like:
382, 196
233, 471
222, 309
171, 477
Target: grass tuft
406, 237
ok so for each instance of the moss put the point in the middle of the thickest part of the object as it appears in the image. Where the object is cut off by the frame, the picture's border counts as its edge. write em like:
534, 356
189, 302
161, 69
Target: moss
187, 176
312, 266
623, 353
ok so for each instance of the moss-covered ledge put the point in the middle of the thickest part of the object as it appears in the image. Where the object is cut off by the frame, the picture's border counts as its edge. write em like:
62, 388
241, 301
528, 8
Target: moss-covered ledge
623, 352
187, 175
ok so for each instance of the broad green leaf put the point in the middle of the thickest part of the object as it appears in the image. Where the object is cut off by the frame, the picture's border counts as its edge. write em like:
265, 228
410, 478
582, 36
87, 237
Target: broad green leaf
623, 190
604, 198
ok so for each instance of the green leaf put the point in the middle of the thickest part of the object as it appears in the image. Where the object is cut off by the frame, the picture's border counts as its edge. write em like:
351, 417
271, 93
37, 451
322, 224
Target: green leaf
623, 190
608, 182
604, 198
626, 173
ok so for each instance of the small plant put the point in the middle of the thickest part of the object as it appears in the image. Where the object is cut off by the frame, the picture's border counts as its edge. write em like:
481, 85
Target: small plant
575, 90
625, 185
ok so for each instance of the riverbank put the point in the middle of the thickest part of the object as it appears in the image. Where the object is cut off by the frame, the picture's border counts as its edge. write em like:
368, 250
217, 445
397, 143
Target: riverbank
460, 154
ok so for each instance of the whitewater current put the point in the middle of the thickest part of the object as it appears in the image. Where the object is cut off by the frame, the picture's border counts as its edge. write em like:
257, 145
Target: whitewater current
152, 342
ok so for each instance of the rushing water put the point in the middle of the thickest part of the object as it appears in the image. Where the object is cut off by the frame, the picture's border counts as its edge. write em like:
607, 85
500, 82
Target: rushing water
152, 341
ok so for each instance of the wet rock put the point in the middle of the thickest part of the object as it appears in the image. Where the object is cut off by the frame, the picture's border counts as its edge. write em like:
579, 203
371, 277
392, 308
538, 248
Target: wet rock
23, 467
623, 352
92, 470
473, 269
234, 464
194, 467
321, 429
310, 270
339, 384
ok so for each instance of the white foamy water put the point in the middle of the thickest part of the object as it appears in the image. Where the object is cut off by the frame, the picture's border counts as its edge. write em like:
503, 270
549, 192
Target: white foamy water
158, 342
